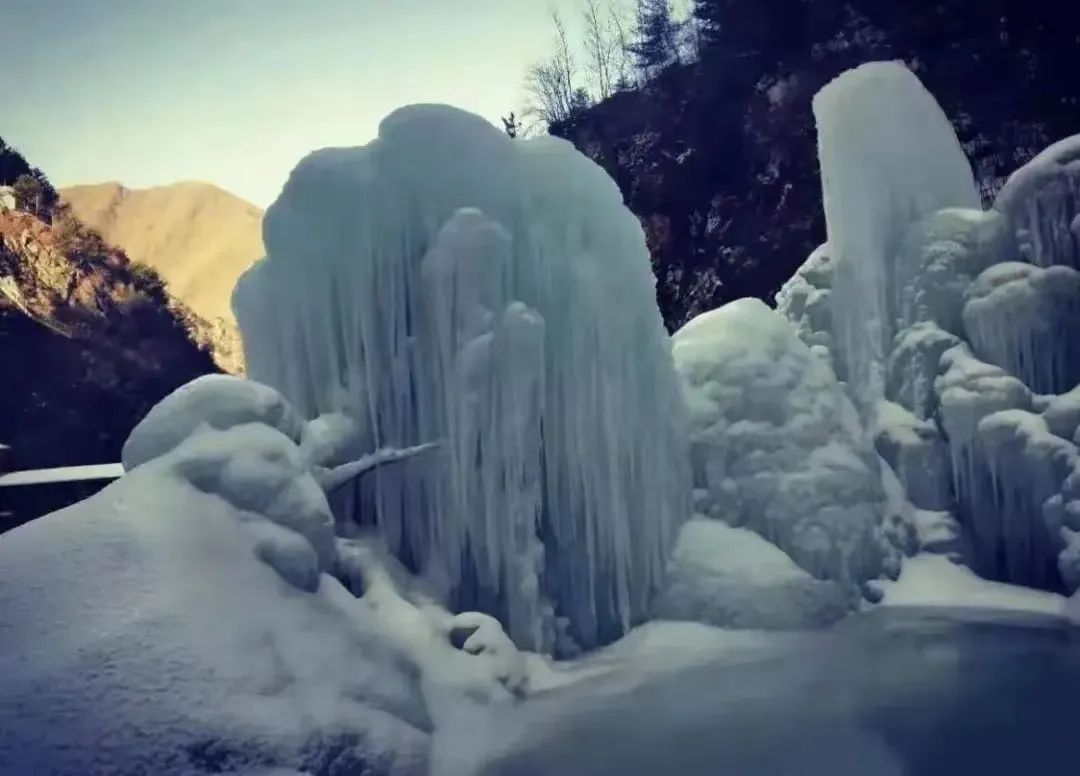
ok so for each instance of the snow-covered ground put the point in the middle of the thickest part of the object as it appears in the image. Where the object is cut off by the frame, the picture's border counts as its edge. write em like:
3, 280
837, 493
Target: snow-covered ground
935, 580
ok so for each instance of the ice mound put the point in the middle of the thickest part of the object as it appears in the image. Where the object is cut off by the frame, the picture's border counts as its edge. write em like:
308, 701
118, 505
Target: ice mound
1042, 200
776, 446
446, 284
1021, 317
732, 578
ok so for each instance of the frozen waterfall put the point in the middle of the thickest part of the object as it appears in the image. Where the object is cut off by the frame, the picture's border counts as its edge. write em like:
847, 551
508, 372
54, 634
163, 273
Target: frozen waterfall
952, 325
445, 283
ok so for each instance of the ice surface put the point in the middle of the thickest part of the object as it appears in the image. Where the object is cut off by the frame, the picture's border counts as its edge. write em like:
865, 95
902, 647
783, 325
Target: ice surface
732, 578
889, 157
446, 284
1042, 201
773, 446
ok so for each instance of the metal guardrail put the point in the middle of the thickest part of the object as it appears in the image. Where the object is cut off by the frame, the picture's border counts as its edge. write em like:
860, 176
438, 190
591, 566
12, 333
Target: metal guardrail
103, 471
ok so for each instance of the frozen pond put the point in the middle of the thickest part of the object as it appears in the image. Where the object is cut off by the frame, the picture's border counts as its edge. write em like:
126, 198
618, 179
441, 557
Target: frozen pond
896, 691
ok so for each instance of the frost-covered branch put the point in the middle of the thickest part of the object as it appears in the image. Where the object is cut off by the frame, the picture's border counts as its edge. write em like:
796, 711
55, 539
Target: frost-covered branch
333, 478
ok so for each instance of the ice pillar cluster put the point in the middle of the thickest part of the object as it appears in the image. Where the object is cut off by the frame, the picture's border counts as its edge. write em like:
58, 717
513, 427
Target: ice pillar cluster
953, 326
445, 283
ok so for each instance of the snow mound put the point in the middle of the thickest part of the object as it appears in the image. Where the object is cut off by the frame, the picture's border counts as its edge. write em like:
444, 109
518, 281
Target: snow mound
141, 634
198, 601
732, 578
775, 446
214, 401
446, 284
934, 580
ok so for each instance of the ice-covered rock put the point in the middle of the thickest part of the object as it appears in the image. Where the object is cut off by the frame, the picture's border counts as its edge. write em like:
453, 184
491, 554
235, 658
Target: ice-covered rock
776, 446
1021, 318
445, 283
889, 157
1042, 201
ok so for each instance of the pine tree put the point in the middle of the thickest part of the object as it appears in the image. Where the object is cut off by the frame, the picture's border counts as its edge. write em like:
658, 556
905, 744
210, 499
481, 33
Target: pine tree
657, 44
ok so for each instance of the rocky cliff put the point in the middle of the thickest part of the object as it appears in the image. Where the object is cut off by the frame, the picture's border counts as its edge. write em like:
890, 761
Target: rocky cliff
89, 342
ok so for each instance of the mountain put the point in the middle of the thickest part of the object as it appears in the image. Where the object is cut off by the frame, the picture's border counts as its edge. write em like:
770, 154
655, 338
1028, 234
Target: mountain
89, 339
196, 235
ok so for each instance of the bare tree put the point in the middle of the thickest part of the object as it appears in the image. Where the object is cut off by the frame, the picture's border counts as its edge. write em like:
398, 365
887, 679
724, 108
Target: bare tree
620, 24
554, 95
600, 49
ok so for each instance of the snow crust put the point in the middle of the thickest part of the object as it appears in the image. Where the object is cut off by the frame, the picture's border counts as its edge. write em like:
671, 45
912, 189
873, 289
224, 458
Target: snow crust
776, 447
444, 284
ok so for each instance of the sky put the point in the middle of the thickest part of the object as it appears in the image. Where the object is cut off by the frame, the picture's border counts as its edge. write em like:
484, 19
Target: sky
235, 92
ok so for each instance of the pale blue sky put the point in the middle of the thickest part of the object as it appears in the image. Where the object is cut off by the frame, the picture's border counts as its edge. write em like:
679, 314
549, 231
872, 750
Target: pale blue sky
236, 91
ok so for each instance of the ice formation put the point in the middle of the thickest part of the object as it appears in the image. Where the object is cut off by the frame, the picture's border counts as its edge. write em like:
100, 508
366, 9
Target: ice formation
1020, 317
888, 157
948, 323
1042, 201
776, 447
445, 284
